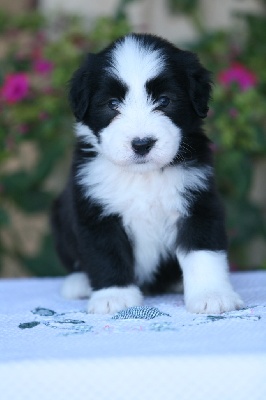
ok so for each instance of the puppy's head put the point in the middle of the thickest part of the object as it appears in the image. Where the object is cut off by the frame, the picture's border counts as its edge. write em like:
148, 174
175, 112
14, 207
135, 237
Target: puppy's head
137, 100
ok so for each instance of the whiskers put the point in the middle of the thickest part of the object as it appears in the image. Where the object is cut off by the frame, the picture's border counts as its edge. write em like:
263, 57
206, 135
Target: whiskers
185, 153
187, 149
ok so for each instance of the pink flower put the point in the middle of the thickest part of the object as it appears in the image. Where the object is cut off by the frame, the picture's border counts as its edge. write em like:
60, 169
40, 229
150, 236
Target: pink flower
233, 112
37, 53
211, 112
23, 129
42, 66
43, 116
240, 74
213, 147
48, 90
15, 87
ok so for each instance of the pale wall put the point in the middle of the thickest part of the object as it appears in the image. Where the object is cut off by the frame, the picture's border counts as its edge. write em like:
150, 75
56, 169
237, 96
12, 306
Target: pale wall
153, 15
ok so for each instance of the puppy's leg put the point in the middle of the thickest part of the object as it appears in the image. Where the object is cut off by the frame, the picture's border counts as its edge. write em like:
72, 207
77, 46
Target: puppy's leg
207, 288
114, 299
106, 255
203, 258
64, 238
76, 286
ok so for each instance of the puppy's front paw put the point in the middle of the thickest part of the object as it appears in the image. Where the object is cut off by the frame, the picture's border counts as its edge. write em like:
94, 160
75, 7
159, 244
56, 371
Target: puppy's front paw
114, 299
76, 286
214, 302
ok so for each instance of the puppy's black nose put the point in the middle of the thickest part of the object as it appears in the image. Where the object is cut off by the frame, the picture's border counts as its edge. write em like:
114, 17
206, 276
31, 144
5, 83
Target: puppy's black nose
142, 146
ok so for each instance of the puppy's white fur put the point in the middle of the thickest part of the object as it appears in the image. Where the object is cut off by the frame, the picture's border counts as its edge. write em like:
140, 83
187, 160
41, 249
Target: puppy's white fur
149, 218
137, 120
114, 299
207, 288
76, 285
134, 64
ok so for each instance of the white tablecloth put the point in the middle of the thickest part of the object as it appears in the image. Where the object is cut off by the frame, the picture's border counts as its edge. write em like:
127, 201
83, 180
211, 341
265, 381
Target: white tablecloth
51, 349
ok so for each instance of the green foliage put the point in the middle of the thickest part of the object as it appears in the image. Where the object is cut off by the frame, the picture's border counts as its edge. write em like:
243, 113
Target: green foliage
237, 125
185, 6
31, 22
34, 72
35, 69
106, 30
45, 262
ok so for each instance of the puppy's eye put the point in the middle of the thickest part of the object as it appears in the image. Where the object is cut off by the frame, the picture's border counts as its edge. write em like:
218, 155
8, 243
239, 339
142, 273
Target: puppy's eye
163, 101
113, 104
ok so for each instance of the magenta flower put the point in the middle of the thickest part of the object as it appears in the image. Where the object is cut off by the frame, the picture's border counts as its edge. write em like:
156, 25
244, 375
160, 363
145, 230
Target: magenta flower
15, 87
43, 116
239, 74
233, 112
43, 66
23, 129
213, 147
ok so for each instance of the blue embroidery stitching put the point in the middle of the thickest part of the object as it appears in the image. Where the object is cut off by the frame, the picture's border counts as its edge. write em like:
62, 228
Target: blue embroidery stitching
139, 312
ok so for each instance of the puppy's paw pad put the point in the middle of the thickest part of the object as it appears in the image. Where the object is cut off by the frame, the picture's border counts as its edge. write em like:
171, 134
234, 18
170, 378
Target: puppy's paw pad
76, 286
214, 302
114, 299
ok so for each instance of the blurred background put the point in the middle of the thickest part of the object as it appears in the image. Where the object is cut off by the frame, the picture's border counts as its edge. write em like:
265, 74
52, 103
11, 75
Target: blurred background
42, 43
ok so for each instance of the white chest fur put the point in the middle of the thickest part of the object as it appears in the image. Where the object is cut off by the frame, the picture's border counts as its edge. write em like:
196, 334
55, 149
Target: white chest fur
149, 204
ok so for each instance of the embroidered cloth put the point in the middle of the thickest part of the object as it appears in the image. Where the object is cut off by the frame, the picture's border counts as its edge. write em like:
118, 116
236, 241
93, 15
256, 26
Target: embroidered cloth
50, 348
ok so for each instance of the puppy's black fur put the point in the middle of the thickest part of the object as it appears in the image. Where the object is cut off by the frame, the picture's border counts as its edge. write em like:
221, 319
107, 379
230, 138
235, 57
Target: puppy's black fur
89, 241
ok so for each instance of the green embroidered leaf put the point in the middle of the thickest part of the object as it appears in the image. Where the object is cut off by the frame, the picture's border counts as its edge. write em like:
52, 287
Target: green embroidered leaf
28, 325
70, 321
215, 317
44, 312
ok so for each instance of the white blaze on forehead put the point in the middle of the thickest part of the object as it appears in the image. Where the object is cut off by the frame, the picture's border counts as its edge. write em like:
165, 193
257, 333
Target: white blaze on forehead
135, 62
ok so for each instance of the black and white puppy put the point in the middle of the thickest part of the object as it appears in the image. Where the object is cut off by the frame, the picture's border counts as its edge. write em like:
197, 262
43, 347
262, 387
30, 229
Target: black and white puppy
141, 200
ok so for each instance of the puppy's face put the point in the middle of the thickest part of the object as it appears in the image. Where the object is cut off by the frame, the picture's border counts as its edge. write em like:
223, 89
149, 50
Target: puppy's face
138, 100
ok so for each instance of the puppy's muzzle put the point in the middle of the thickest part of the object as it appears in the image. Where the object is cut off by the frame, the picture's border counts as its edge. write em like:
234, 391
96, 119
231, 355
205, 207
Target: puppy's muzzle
143, 146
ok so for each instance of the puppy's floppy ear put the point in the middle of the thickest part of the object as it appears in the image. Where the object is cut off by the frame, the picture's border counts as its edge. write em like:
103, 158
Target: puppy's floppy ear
79, 93
199, 84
